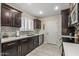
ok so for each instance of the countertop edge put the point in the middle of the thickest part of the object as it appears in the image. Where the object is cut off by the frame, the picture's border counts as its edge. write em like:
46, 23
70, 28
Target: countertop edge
17, 38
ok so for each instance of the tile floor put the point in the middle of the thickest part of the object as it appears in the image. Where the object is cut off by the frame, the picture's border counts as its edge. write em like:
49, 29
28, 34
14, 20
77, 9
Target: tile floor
46, 50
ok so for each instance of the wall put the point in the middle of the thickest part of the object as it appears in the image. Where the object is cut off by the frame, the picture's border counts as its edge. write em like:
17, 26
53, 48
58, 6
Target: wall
11, 31
53, 26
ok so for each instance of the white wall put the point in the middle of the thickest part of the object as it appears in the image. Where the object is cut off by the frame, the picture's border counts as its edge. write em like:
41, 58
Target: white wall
52, 28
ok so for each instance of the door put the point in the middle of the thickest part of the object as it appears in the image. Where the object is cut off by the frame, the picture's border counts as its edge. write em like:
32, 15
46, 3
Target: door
52, 29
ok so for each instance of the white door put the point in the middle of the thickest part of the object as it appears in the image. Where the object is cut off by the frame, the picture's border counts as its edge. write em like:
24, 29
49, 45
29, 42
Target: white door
52, 30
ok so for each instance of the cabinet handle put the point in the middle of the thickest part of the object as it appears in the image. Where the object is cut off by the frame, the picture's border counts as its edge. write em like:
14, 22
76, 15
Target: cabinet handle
10, 44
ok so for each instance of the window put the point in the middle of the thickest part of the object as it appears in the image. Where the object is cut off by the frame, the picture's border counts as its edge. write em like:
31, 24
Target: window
30, 24
26, 24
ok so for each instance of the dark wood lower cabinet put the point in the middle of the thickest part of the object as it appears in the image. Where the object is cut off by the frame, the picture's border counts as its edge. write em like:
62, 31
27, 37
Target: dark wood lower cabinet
31, 45
36, 41
10, 49
24, 47
20, 47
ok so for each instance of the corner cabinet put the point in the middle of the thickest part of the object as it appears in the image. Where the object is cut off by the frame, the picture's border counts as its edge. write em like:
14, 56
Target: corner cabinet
10, 16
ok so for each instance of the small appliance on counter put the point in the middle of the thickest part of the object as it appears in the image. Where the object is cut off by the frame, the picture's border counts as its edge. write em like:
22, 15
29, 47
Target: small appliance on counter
17, 33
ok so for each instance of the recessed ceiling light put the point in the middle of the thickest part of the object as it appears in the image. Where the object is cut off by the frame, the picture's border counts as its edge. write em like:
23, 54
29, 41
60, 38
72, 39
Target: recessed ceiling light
56, 8
41, 12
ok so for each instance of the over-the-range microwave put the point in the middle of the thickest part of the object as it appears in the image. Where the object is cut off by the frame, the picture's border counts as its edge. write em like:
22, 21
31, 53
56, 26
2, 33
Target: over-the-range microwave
74, 15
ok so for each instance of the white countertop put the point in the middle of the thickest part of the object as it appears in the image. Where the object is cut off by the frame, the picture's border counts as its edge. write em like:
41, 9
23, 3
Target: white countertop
71, 49
4, 40
67, 36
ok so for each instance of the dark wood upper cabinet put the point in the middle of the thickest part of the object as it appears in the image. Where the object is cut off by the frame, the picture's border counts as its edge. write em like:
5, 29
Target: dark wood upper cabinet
17, 20
5, 16
37, 24
65, 17
10, 16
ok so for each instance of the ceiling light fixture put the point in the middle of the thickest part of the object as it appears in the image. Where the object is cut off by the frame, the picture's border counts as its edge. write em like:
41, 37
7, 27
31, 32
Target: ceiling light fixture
56, 8
41, 12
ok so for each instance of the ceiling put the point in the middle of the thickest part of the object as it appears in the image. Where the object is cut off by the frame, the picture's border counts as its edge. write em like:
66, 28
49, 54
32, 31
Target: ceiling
48, 9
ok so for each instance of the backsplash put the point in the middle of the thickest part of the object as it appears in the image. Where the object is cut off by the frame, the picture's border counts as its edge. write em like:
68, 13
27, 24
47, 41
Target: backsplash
10, 31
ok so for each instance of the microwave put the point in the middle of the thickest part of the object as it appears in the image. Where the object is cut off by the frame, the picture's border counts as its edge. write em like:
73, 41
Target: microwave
74, 15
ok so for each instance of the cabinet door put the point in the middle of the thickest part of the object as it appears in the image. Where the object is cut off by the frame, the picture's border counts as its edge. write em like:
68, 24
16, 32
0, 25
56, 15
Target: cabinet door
18, 19
24, 47
65, 18
10, 49
37, 24
10, 16
31, 44
41, 39
5, 16
36, 41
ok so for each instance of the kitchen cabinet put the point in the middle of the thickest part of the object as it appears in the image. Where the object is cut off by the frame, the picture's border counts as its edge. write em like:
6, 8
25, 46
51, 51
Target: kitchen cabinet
17, 20
24, 47
31, 44
41, 39
10, 16
65, 16
37, 24
20, 47
6, 16
36, 41
10, 49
